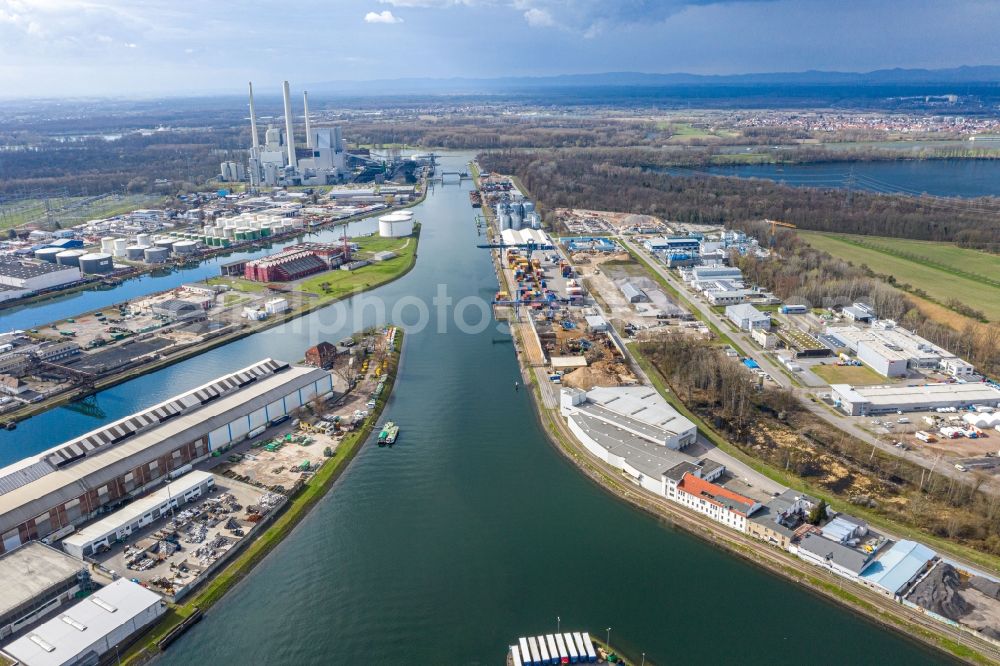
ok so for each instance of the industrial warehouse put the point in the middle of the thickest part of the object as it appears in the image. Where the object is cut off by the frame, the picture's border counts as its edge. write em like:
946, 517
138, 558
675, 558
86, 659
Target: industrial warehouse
893, 351
631, 428
49, 493
870, 400
55, 580
92, 627
19, 277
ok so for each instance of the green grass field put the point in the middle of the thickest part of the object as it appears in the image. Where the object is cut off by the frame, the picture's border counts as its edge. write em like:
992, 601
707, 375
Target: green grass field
338, 283
943, 270
848, 374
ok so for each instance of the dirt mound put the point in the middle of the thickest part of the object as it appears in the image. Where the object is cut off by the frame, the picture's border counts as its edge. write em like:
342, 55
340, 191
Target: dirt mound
938, 593
986, 586
589, 377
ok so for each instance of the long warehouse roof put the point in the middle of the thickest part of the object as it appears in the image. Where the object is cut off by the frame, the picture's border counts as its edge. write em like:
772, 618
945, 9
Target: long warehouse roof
62, 484
899, 395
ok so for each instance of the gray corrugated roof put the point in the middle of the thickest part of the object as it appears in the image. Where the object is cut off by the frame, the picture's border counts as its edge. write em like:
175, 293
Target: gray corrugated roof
848, 558
35, 493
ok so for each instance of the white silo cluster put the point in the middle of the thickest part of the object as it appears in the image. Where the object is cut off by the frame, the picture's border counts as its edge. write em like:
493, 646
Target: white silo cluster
396, 225
518, 214
247, 227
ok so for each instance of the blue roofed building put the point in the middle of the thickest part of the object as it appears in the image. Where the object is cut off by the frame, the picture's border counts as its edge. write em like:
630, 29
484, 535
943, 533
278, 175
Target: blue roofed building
898, 567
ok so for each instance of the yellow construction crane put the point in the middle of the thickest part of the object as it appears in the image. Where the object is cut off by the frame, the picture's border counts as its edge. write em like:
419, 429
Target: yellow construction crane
776, 223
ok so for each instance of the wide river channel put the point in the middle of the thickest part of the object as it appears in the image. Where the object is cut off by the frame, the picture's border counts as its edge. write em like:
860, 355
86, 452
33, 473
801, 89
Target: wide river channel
473, 530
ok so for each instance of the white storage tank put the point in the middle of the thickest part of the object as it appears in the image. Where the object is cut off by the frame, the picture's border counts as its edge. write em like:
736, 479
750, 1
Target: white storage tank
395, 225
185, 247
48, 254
144, 240
96, 262
69, 257
135, 252
156, 255
119, 247
108, 244
164, 242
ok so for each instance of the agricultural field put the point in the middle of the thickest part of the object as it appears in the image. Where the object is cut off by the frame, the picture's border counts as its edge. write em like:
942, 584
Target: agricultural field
943, 270
858, 375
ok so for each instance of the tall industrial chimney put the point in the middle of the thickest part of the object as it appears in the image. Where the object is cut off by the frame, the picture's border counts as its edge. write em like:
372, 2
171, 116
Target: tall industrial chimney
309, 134
253, 122
289, 136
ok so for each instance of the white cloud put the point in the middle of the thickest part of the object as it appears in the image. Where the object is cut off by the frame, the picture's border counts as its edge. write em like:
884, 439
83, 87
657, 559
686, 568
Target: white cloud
384, 16
435, 4
130, 45
539, 18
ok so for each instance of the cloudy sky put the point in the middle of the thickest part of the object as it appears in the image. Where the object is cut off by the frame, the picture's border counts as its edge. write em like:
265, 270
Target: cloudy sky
54, 48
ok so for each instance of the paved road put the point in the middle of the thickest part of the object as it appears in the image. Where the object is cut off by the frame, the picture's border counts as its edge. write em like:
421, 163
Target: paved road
746, 346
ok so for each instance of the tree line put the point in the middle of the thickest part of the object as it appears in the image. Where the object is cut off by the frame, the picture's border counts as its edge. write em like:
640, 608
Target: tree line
771, 425
623, 180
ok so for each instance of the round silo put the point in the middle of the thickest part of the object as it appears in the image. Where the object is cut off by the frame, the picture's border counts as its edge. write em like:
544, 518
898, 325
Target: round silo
135, 252
156, 255
185, 247
108, 244
144, 240
96, 263
69, 257
48, 254
119, 247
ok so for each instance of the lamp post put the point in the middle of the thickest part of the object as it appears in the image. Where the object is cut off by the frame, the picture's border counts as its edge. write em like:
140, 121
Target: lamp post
643, 659
558, 623
609, 638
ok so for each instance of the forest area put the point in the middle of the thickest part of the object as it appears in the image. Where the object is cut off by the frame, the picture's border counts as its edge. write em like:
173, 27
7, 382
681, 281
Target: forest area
131, 163
770, 425
625, 180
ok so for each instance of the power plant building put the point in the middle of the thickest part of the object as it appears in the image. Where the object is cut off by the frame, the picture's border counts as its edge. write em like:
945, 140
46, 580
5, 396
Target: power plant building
52, 491
323, 160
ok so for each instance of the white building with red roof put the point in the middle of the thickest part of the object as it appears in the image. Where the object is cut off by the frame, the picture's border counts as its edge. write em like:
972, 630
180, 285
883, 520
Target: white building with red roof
720, 504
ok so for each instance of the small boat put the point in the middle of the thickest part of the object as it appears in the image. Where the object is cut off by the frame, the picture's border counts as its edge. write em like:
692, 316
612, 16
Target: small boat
393, 432
10, 425
387, 429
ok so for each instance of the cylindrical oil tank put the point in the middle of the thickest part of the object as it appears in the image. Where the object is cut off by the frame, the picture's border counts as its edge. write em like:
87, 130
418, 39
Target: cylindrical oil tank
164, 242
69, 257
48, 254
108, 244
156, 255
185, 247
135, 252
394, 226
96, 262
119, 247
230, 233
143, 239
